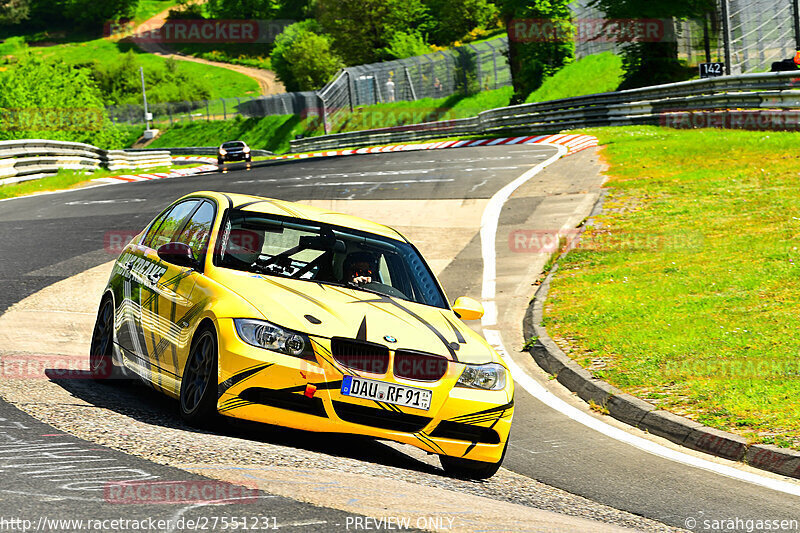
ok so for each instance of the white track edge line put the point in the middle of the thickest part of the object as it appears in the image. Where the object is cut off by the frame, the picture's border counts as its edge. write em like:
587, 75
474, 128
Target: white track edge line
489, 223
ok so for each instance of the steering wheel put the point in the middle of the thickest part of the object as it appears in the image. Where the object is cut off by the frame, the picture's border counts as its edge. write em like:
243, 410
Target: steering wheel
388, 290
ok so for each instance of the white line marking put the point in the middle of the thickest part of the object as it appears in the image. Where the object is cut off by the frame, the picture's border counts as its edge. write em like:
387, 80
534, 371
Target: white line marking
345, 183
489, 223
94, 202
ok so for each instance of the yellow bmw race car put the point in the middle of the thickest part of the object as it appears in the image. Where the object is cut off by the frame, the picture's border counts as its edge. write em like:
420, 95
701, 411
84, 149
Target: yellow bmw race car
281, 313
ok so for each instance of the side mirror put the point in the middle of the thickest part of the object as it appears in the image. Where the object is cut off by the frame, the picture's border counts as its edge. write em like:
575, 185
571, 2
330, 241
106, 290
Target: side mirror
177, 253
468, 309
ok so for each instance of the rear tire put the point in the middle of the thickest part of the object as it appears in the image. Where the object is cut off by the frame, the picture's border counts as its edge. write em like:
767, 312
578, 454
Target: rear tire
101, 358
468, 469
198, 397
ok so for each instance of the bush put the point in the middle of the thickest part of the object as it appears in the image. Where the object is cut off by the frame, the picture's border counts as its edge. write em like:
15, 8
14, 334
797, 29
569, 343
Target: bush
403, 45
303, 59
120, 82
51, 100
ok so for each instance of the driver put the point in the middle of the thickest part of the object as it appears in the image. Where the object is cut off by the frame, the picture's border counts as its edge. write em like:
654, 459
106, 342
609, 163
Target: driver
360, 268
244, 246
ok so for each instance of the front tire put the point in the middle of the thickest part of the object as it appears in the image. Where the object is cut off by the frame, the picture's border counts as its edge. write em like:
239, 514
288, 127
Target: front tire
198, 397
468, 469
101, 359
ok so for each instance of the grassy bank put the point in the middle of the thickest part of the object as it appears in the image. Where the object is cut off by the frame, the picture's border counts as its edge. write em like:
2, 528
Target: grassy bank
268, 133
65, 179
597, 73
686, 294
223, 83
591, 74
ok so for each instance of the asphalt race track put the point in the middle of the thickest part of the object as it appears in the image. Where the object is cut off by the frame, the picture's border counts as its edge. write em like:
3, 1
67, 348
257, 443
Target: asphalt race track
48, 238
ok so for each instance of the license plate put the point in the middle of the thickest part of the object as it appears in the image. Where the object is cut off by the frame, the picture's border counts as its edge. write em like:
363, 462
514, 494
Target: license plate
387, 392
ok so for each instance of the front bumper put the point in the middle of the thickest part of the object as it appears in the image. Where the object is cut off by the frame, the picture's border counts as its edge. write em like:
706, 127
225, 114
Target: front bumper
273, 388
236, 156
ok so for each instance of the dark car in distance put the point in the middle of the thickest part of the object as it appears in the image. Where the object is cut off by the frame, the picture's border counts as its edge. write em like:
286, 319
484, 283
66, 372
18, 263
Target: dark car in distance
233, 151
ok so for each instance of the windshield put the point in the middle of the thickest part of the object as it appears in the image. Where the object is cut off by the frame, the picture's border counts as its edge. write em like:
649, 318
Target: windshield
235, 144
315, 252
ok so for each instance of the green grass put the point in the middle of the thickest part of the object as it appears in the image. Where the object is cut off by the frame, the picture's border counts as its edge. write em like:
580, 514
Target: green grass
269, 133
598, 73
224, 83
686, 293
65, 179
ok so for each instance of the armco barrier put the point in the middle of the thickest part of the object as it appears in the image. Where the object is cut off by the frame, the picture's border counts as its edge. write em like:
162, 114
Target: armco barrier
203, 150
659, 104
30, 159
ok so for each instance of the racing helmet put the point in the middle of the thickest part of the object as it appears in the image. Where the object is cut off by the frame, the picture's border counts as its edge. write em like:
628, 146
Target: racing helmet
355, 258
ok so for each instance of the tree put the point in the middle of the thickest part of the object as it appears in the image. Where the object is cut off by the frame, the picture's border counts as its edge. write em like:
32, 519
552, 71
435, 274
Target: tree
362, 30
52, 100
304, 59
14, 11
456, 18
243, 9
533, 60
653, 63
83, 13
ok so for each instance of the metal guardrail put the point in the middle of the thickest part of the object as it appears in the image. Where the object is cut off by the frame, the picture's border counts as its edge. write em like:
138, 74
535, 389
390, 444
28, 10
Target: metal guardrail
648, 105
202, 150
31, 159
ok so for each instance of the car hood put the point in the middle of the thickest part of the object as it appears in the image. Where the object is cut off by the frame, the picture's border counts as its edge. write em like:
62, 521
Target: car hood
350, 313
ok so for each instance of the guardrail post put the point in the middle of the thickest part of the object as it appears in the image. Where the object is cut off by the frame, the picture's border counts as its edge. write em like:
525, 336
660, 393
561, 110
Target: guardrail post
410, 84
324, 115
349, 90
726, 34
224, 109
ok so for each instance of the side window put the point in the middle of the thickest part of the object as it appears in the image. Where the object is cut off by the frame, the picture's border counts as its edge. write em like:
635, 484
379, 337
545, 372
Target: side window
197, 230
171, 224
154, 227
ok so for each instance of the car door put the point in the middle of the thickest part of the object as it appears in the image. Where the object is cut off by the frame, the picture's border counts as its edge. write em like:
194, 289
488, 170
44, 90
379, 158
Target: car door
142, 271
171, 300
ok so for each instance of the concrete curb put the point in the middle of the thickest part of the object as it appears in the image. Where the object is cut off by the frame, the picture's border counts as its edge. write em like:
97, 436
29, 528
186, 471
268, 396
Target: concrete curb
638, 413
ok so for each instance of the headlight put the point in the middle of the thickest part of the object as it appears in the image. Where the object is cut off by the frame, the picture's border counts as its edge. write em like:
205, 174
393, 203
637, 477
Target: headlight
271, 337
487, 377
222, 151
247, 149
